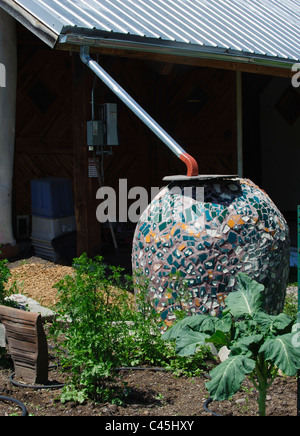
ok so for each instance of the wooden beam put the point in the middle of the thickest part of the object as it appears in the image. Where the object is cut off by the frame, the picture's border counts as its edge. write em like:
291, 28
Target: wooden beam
239, 122
88, 228
162, 68
186, 60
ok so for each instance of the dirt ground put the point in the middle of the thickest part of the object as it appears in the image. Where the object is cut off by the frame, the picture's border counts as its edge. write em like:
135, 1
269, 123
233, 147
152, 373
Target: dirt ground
151, 393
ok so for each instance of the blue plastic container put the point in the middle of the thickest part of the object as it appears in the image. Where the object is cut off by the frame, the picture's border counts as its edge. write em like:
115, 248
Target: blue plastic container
52, 197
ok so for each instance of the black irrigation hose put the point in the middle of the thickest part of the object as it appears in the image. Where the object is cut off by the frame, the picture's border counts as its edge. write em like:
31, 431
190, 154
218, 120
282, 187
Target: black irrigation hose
61, 385
58, 386
23, 385
141, 368
17, 402
205, 407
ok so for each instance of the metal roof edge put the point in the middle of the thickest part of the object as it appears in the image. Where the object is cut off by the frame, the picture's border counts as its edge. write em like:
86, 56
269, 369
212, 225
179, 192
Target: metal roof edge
172, 48
27, 19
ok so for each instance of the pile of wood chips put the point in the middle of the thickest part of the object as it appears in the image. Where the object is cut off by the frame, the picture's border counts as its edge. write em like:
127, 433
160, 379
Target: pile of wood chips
36, 280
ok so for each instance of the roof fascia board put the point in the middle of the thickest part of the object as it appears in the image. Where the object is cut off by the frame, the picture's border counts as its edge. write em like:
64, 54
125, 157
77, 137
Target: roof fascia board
174, 49
31, 22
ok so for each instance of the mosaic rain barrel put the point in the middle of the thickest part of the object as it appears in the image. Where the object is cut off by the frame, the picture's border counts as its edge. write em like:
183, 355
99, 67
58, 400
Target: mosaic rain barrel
233, 227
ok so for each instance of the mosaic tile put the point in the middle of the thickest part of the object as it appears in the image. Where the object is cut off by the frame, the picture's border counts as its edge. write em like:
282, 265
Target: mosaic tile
236, 228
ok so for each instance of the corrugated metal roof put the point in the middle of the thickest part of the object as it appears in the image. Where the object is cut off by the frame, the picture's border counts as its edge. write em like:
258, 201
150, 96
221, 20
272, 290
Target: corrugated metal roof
247, 28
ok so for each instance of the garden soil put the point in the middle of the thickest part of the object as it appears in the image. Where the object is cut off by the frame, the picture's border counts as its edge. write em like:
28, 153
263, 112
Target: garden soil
150, 392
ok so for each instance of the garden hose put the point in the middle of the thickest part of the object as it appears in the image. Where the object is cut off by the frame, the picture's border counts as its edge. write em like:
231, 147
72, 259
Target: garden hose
23, 385
17, 402
49, 386
205, 407
61, 385
141, 368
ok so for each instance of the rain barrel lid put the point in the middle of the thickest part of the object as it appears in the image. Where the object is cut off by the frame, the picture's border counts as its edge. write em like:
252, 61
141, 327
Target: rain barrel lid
179, 178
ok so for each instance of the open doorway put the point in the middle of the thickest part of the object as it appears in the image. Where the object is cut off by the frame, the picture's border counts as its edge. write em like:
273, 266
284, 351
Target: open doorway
271, 108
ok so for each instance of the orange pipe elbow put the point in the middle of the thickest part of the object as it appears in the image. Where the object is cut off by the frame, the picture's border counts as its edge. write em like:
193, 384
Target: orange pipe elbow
192, 166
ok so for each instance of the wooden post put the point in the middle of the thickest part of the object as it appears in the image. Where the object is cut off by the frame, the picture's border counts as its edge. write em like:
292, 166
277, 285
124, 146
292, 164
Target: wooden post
8, 89
239, 122
85, 188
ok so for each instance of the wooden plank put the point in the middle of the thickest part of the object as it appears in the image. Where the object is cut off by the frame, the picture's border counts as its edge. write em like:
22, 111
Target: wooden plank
44, 145
27, 344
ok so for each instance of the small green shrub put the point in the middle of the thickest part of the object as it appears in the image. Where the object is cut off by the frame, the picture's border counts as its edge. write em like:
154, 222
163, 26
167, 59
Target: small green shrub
90, 327
145, 345
291, 304
101, 327
6, 291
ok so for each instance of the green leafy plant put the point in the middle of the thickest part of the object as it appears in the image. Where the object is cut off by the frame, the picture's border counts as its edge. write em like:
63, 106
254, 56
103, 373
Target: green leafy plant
100, 326
6, 291
145, 344
291, 304
260, 344
89, 328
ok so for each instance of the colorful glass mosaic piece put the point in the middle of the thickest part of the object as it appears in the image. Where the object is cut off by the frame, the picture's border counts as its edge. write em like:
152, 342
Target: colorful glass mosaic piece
204, 243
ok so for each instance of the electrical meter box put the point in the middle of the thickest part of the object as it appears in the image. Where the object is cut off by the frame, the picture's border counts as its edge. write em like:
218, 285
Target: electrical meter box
95, 133
104, 132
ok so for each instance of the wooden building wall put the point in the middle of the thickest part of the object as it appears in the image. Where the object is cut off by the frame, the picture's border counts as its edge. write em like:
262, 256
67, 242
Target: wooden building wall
44, 145
197, 106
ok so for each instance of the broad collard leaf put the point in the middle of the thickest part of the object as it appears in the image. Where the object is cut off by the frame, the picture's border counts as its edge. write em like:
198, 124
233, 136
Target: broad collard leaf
194, 331
248, 346
244, 328
199, 323
207, 325
283, 353
274, 324
219, 338
227, 378
189, 340
247, 299
176, 330
224, 324
210, 324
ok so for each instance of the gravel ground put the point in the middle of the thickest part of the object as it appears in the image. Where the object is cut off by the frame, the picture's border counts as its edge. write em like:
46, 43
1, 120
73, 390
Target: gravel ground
36, 277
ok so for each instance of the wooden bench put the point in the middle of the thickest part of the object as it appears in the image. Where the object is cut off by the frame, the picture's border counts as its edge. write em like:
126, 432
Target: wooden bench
27, 344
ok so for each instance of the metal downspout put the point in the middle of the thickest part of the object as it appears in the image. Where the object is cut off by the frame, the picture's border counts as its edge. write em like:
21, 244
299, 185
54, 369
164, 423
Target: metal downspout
192, 166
